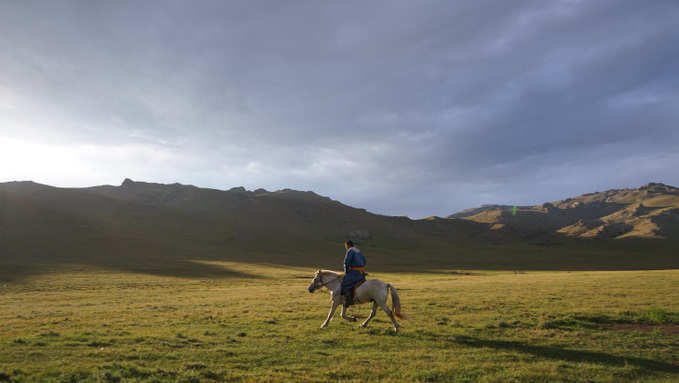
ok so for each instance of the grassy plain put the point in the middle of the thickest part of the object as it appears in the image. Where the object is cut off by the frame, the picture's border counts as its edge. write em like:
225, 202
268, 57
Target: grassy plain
78, 323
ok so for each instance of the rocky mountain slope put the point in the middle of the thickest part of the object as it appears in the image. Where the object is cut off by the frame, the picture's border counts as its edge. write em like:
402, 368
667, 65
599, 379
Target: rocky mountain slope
651, 211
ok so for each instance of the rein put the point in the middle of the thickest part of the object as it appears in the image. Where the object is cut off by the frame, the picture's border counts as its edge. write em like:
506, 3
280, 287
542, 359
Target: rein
323, 283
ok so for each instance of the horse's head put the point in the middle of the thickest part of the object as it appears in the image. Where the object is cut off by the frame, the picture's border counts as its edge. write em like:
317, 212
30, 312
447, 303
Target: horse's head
317, 283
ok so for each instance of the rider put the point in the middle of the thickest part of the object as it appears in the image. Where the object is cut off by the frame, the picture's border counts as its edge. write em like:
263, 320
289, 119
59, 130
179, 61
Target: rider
354, 262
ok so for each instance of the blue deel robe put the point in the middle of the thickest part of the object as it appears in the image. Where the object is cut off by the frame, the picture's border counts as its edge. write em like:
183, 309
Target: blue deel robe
353, 258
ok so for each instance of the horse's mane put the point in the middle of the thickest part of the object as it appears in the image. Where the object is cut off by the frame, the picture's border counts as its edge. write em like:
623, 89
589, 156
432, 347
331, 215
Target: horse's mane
333, 273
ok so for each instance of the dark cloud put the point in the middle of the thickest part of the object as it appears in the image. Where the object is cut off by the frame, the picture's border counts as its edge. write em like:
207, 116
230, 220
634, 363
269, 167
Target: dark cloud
409, 108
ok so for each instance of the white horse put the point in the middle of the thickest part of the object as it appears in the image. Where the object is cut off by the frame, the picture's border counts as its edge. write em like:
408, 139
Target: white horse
372, 290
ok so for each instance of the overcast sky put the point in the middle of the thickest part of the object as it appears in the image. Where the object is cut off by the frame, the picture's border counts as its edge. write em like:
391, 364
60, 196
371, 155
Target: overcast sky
414, 108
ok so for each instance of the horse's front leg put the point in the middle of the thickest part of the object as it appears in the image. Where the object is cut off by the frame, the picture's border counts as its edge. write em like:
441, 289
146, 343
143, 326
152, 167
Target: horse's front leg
333, 307
344, 312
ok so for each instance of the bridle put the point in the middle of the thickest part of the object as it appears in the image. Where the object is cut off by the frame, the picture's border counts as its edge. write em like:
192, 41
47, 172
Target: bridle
318, 281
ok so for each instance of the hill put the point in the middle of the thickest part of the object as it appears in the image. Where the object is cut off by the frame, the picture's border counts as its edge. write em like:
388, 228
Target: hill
146, 226
177, 229
651, 211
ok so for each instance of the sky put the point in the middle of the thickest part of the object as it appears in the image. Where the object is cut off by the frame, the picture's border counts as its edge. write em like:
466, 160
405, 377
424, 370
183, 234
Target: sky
403, 108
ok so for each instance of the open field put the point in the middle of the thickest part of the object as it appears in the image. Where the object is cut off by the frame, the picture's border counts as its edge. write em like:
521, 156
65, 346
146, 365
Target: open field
78, 323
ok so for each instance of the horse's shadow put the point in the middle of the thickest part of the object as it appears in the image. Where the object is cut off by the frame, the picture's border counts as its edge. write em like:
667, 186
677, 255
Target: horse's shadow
568, 355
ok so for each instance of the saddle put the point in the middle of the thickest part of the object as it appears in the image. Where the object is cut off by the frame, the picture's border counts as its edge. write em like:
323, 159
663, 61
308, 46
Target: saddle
352, 290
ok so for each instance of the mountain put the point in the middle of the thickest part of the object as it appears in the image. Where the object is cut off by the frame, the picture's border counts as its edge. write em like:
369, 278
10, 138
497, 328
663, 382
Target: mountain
180, 229
143, 225
651, 211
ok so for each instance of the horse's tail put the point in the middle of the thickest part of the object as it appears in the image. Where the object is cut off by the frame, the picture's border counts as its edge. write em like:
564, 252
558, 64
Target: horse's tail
396, 303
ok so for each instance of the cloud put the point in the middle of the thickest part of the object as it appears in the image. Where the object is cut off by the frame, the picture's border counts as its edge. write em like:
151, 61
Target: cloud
426, 107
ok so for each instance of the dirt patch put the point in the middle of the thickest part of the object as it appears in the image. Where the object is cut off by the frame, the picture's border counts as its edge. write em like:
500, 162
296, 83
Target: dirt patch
664, 328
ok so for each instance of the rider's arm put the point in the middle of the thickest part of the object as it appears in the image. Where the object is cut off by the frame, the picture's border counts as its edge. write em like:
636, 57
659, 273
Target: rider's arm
348, 259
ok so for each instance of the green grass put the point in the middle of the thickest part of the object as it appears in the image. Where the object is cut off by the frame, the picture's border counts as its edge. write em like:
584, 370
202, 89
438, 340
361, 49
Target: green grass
258, 323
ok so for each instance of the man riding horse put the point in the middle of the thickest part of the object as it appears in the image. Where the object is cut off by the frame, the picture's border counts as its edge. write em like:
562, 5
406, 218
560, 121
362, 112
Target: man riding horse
354, 264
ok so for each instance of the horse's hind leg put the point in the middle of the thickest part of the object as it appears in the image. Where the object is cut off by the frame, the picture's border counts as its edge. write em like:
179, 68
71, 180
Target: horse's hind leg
384, 307
370, 317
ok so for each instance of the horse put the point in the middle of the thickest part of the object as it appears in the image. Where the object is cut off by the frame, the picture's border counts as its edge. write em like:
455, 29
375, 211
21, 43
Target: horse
372, 290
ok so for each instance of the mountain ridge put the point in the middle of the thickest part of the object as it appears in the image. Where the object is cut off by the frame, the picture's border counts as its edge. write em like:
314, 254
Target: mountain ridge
169, 228
651, 211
